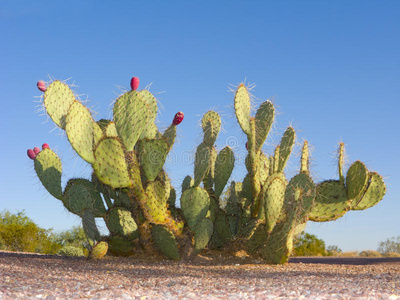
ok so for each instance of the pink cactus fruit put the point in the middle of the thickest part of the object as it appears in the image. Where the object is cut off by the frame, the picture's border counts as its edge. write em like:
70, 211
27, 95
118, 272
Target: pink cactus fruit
45, 146
178, 118
134, 83
36, 150
247, 147
31, 154
41, 86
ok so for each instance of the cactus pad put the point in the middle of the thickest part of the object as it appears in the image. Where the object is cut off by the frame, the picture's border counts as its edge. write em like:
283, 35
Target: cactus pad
89, 226
273, 196
119, 221
243, 108
165, 241
356, 182
48, 168
99, 250
211, 124
202, 163
264, 120
202, 234
57, 100
81, 195
80, 129
131, 116
195, 204
152, 155
110, 165
224, 164
285, 148
330, 202
375, 192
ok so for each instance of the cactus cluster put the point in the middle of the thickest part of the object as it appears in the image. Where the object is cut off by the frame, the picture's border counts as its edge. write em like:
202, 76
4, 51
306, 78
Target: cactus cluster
131, 191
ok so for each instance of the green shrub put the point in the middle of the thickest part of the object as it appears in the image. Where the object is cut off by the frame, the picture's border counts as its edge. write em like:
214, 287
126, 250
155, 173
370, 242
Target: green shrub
390, 245
19, 233
309, 245
71, 251
370, 253
391, 254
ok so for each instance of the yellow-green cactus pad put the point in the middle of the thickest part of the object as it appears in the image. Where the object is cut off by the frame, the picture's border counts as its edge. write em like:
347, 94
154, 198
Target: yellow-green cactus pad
330, 202
264, 120
48, 168
57, 100
99, 250
285, 148
82, 131
211, 124
156, 202
375, 192
356, 182
273, 196
243, 108
110, 165
131, 116
152, 155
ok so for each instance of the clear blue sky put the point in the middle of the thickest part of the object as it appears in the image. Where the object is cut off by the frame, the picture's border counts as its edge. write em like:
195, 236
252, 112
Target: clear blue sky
332, 67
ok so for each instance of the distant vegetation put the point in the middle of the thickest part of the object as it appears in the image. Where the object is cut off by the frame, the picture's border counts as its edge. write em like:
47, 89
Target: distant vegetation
20, 233
307, 244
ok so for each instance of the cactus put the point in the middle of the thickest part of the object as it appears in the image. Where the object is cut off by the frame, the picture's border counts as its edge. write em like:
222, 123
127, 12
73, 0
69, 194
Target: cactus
130, 190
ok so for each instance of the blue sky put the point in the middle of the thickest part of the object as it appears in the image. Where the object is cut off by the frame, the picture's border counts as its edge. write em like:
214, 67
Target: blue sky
331, 67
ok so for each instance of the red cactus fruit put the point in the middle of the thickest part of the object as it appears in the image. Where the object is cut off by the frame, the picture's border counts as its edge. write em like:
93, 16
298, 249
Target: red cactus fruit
247, 148
45, 146
31, 154
178, 118
41, 86
36, 150
134, 83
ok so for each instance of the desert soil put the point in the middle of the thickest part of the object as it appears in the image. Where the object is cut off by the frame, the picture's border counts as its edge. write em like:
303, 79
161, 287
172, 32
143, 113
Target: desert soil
209, 276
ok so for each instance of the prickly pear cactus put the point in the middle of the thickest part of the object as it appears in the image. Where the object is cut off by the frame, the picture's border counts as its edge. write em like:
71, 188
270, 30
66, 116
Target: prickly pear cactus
130, 190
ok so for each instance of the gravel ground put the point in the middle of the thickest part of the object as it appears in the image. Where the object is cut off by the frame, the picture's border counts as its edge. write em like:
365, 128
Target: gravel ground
211, 276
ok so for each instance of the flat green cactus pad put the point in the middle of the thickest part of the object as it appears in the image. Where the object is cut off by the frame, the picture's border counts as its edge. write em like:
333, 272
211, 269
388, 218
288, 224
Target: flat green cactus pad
89, 226
202, 234
48, 167
243, 108
279, 244
187, 183
285, 148
195, 204
58, 98
211, 124
119, 221
110, 165
81, 195
169, 136
202, 163
165, 241
356, 182
375, 192
131, 116
330, 202
299, 198
273, 196
120, 246
224, 164
264, 120
152, 155
81, 128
